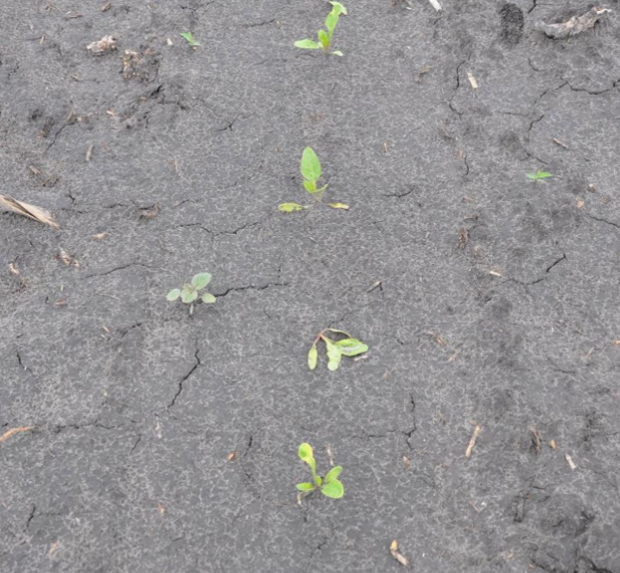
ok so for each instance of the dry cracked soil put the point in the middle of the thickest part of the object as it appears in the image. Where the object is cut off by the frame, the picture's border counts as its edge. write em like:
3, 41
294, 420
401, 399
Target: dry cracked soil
156, 441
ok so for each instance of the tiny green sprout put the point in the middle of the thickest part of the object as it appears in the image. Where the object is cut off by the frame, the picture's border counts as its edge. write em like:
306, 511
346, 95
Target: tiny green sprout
311, 172
329, 486
189, 291
539, 175
336, 349
325, 37
190, 39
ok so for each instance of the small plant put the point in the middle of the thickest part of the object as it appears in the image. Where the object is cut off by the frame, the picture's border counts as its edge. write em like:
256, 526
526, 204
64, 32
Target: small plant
329, 486
311, 172
539, 175
190, 39
325, 38
336, 349
189, 291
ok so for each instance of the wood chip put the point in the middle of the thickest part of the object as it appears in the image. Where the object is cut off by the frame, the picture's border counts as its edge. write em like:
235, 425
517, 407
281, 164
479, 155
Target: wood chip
397, 555
472, 441
27, 210
536, 439
14, 431
571, 463
560, 143
472, 80
574, 26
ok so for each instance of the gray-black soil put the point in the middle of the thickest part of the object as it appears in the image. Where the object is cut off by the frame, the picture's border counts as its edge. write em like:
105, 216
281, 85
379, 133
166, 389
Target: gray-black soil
498, 302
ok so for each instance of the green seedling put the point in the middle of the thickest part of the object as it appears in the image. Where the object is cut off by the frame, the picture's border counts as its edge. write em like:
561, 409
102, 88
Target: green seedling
336, 349
190, 39
189, 291
539, 175
325, 37
329, 486
311, 172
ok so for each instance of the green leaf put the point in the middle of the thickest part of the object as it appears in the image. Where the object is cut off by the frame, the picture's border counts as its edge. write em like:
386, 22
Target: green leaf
307, 44
334, 356
333, 489
339, 8
190, 38
189, 294
332, 474
339, 206
310, 186
339, 331
539, 175
324, 39
305, 486
351, 346
313, 356
331, 21
310, 165
290, 207
337, 53
201, 280
173, 294
208, 298
305, 453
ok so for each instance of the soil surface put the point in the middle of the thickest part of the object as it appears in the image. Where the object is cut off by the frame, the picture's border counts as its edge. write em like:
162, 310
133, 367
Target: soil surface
156, 441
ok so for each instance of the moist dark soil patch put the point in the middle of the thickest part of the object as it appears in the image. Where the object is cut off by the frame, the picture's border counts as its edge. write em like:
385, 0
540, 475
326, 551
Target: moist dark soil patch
498, 302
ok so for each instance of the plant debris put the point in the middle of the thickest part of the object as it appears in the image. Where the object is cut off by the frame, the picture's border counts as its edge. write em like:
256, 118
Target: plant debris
397, 555
14, 431
103, 46
536, 439
574, 26
472, 440
27, 210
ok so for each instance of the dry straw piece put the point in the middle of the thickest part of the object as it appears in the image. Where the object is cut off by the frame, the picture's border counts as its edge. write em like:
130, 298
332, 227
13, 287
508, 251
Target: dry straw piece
27, 210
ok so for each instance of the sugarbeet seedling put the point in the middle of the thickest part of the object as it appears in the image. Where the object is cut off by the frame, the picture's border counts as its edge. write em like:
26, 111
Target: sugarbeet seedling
329, 486
539, 175
189, 291
311, 171
325, 38
336, 349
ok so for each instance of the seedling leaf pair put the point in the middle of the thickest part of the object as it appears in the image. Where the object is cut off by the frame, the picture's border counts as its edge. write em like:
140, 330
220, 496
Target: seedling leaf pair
189, 291
539, 175
311, 171
190, 39
329, 486
335, 349
325, 37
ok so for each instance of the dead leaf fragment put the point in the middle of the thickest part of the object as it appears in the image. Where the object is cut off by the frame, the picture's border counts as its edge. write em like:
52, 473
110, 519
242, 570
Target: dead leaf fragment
100, 236
27, 210
150, 212
103, 46
397, 555
14, 270
472, 80
472, 441
67, 259
552, 444
339, 206
14, 431
580, 203
536, 439
574, 26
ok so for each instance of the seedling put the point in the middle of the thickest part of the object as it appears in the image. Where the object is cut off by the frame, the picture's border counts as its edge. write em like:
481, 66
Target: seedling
189, 291
311, 172
329, 486
325, 38
190, 39
336, 349
539, 175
